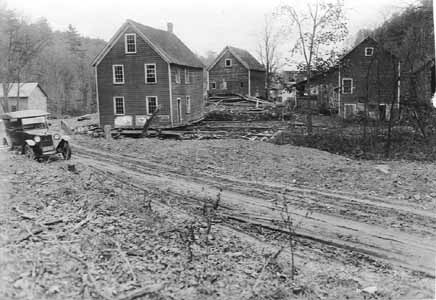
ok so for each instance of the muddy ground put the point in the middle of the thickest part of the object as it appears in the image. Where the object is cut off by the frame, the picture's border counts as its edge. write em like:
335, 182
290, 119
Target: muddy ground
79, 230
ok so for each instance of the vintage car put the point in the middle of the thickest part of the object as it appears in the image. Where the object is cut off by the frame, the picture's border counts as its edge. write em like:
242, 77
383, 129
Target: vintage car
29, 130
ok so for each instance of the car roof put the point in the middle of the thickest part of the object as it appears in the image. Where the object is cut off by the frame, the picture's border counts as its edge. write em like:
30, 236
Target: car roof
21, 114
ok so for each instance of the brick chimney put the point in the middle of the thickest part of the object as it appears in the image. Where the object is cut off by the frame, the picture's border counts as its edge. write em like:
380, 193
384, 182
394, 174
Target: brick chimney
170, 27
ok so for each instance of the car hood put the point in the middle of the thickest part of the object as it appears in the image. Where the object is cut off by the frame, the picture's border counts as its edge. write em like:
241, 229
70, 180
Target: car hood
37, 131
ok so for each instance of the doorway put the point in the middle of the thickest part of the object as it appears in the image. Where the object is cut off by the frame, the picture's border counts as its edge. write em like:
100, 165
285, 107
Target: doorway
179, 110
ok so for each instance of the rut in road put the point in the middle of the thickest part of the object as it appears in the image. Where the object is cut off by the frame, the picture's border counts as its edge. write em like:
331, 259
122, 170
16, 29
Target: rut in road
336, 198
389, 245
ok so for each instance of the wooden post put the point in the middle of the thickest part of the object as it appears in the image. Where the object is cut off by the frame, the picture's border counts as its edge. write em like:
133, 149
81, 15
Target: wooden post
107, 132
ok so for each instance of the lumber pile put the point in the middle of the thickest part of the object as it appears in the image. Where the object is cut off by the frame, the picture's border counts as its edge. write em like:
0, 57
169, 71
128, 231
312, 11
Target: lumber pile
240, 101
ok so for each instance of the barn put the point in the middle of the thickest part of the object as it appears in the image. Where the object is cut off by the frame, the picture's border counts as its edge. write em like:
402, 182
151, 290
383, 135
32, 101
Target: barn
143, 69
236, 71
366, 78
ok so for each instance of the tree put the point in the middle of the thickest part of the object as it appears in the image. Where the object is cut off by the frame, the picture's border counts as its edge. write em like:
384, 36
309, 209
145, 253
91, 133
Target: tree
268, 52
320, 26
20, 44
209, 58
409, 35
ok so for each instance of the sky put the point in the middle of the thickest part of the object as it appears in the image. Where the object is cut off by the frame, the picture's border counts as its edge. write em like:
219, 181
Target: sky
201, 24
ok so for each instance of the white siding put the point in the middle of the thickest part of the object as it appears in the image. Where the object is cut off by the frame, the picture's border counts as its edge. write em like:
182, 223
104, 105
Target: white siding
21, 105
37, 100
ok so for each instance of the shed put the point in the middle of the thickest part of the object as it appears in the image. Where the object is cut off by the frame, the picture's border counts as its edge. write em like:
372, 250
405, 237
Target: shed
25, 96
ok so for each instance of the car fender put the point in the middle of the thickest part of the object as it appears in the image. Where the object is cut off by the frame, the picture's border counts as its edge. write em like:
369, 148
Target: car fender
30, 143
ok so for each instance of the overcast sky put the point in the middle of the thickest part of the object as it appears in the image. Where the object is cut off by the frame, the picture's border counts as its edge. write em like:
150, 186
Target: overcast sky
202, 24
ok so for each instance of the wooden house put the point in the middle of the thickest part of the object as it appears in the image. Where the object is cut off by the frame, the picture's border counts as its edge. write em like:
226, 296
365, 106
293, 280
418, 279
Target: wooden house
236, 71
25, 96
143, 68
367, 76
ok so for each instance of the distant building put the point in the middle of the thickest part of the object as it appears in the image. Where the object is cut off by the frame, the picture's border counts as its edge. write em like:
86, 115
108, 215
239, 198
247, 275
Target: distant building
142, 68
236, 71
25, 96
292, 77
368, 75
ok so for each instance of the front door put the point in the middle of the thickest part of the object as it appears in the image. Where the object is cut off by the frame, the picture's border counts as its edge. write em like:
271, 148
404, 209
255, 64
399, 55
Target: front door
179, 110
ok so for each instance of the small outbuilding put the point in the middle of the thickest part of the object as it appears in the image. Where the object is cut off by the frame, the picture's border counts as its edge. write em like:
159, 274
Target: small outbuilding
25, 96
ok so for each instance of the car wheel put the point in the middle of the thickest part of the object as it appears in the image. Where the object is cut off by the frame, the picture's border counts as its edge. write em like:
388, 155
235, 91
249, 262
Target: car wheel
28, 151
66, 151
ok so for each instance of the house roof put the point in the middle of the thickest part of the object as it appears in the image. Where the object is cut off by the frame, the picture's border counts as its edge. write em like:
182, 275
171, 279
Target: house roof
26, 89
243, 56
335, 67
363, 41
165, 43
30, 113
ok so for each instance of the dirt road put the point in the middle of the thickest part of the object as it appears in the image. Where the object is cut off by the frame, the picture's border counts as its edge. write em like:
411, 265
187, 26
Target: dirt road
344, 220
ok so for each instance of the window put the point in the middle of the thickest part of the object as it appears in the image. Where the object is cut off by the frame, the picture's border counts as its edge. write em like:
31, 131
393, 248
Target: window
178, 75
151, 102
130, 43
187, 79
150, 73
242, 84
118, 74
13, 108
228, 62
369, 51
188, 104
347, 86
213, 85
119, 108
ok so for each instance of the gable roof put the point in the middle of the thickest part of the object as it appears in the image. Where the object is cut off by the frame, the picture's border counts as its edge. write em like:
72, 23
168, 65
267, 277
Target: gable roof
165, 43
335, 67
26, 88
368, 39
243, 56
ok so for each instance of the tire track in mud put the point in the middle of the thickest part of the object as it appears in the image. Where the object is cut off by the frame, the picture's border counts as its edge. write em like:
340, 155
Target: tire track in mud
333, 202
389, 245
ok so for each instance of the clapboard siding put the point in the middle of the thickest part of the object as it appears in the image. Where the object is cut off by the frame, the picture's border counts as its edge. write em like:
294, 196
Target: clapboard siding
236, 76
134, 90
374, 77
194, 89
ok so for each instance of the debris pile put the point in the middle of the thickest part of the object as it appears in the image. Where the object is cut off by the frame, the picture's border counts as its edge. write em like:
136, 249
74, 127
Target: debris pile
243, 108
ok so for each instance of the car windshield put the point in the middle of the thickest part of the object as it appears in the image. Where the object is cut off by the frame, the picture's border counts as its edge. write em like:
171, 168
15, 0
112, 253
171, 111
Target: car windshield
34, 123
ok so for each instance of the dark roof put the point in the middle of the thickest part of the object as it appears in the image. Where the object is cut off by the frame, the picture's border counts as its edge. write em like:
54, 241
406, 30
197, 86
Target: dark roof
165, 43
372, 40
30, 113
247, 58
243, 56
168, 43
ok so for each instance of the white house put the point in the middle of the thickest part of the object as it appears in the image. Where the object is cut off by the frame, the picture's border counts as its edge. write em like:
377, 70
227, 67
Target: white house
25, 96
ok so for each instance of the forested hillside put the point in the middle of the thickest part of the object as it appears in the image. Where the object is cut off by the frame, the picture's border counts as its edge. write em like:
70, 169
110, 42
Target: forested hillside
59, 60
409, 34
